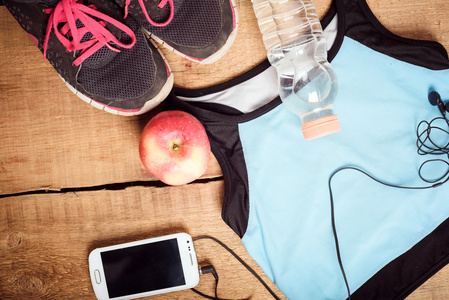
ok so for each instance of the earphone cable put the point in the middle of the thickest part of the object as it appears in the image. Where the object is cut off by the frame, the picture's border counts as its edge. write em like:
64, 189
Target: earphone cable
426, 146
265, 285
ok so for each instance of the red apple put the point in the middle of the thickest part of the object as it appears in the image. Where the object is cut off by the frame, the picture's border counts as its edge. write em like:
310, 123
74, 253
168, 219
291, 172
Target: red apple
174, 147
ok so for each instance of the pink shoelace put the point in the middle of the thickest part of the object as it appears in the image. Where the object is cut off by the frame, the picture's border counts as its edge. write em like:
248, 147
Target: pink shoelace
144, 10
68, 11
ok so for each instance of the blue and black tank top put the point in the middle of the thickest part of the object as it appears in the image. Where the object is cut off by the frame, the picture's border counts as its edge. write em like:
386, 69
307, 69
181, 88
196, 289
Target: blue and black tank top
276, 183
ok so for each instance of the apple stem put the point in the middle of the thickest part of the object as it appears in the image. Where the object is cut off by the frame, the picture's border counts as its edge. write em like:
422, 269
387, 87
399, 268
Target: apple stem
175, 147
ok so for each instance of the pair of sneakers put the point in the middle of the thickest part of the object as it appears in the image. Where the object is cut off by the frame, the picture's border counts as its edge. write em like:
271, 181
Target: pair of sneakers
106, 51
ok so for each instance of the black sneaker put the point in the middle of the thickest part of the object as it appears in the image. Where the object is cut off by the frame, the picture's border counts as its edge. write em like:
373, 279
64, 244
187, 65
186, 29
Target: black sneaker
201, 31
105, 60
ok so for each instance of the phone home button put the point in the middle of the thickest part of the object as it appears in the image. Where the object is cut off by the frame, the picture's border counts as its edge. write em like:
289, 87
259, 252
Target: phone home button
97, 276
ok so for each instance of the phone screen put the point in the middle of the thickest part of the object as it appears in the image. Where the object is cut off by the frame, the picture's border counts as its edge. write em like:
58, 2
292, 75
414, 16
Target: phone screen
142, 268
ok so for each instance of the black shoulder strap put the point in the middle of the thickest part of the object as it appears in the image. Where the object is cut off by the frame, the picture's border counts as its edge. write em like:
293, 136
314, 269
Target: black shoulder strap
226, 145
362, 25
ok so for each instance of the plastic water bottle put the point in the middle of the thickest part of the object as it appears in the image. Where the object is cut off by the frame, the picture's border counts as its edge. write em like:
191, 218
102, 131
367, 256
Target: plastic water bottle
296, 47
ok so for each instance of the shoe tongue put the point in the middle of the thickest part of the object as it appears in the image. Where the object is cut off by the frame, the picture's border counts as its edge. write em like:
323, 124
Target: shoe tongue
104, 55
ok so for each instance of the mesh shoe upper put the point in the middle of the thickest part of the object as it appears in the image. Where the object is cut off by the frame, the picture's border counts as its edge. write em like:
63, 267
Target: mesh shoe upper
106, 60
198, 29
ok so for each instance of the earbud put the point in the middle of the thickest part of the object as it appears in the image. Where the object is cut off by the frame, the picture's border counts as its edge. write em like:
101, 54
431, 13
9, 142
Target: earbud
435, 100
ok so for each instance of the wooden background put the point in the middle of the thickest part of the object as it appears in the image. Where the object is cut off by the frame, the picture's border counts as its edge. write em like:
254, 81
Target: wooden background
71, 179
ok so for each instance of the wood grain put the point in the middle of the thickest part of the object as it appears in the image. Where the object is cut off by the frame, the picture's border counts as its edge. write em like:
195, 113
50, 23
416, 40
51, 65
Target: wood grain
45, 239
52, 140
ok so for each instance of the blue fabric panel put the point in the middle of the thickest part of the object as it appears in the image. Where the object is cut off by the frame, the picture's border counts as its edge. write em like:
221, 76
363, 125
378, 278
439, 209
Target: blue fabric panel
380, 102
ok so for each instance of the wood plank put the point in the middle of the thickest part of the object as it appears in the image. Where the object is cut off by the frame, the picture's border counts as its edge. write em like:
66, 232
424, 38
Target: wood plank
52, 140
45, 239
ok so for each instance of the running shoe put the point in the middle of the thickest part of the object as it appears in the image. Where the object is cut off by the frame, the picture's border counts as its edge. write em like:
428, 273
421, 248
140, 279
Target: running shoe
201, 30
105, 60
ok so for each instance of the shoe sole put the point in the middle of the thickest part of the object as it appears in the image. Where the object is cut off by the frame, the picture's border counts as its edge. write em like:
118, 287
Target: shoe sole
214, 57
149, 105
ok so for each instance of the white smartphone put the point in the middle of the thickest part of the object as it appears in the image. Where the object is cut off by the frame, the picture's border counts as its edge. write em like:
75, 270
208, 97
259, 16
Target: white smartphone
144, 268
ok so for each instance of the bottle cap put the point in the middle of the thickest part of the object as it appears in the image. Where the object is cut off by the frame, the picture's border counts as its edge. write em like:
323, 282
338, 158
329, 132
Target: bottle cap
320, 127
